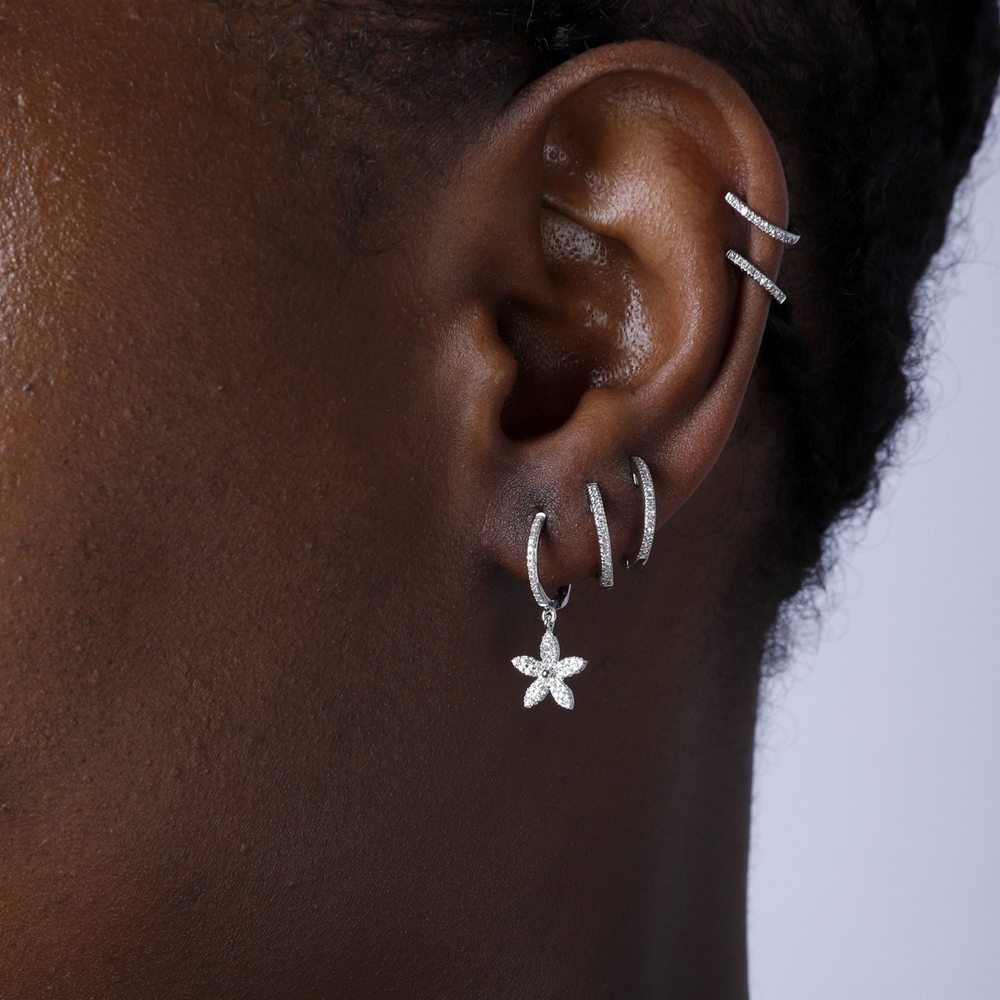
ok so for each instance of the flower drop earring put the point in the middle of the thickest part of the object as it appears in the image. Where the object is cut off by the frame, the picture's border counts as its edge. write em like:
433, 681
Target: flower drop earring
550, 672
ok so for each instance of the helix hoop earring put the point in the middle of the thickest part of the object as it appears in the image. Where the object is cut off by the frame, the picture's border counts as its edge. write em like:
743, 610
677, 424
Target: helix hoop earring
785, 236
642, 477
549, 671
603, 534
757, 275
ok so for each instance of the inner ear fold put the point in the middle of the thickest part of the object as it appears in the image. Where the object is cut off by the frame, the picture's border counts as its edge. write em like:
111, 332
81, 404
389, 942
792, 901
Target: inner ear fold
600, 334
623, 164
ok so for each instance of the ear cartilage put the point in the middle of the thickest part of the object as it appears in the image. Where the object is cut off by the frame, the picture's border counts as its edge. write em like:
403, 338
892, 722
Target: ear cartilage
644, 478
759, 276
775, 232
603, 535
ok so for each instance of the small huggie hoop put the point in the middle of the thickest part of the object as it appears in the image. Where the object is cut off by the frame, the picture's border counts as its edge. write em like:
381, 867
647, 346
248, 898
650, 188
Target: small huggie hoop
759, 276
644, 479
542, 599
768, 228
603, 535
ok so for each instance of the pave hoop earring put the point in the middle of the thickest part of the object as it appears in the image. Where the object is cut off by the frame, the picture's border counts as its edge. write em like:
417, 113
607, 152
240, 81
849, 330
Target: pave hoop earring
642, 477
603, 534
757, 275
785, 236
549, 671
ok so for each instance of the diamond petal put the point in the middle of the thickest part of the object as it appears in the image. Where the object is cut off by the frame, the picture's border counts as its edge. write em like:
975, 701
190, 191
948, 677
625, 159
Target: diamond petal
537, 691
560, 692
570, 665
527, 665
550, 648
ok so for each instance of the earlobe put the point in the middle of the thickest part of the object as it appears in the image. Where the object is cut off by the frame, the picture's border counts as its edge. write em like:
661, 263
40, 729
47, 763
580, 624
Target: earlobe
631, 331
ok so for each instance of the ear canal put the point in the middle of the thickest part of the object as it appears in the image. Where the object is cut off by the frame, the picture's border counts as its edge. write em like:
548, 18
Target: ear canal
599, 335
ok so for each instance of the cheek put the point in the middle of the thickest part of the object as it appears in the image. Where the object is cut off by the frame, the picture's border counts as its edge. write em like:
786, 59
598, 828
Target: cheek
213, 449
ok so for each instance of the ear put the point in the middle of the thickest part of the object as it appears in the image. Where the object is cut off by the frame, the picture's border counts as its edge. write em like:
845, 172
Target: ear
592, 312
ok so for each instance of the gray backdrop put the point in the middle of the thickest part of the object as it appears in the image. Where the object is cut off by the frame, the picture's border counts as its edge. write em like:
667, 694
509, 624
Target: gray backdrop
874, 867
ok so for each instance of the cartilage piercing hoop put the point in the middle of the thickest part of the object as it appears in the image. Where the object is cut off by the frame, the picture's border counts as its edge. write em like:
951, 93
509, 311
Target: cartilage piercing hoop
759, 276
643, 478
785, 236
603, 535
768, 228
550, 672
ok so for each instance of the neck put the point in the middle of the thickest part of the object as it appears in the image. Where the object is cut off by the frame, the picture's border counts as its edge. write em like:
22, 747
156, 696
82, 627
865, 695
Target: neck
626, 821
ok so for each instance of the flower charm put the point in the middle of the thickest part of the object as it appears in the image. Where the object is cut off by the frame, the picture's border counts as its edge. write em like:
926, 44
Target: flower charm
549, 672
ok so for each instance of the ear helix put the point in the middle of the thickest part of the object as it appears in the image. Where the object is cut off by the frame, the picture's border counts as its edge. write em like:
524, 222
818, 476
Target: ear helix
768, 228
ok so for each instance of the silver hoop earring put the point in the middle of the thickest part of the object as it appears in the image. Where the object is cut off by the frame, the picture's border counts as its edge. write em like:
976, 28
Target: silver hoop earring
603, 535
759, 276
769, 228
550, 672
641, 476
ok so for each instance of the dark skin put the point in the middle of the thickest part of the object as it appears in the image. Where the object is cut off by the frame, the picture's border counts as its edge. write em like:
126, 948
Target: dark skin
266, 503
